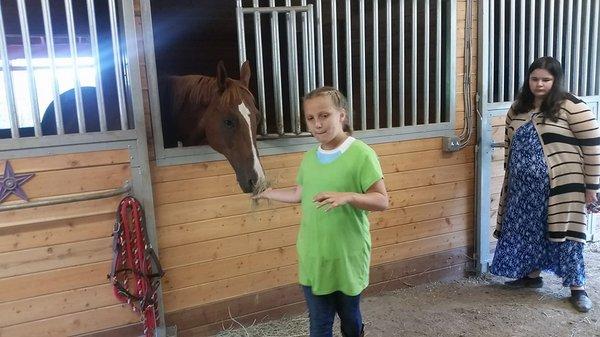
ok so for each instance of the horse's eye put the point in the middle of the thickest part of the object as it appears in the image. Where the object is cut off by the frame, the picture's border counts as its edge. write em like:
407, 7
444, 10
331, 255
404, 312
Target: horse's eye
228, 123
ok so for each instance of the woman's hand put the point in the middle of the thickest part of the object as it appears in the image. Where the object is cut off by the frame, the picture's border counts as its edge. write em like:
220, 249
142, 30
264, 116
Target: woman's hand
590, 196
331, 200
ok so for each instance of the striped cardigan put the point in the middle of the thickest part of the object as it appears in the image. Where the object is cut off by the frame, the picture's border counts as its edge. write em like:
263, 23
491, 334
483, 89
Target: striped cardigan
572, 153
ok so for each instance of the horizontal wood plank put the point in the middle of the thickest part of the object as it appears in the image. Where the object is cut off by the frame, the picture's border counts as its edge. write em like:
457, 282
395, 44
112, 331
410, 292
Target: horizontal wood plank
204, 272
227, 247
197, 210
74, 181
180, 299
57, 232
205, 230
207, 187
47, 306
76, 323
68, 161
229, 288
45, 214
208, 169
55, 257
53, 281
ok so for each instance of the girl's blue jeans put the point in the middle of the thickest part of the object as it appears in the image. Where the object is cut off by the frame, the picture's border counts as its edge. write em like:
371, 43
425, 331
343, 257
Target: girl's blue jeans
322, 310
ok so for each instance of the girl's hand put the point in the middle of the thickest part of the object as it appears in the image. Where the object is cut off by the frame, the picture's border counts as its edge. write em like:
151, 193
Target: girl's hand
331, 200
590, 197
263, 195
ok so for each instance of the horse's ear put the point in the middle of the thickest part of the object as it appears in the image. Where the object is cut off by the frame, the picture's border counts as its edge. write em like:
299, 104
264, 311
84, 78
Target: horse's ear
222, 76
245, 73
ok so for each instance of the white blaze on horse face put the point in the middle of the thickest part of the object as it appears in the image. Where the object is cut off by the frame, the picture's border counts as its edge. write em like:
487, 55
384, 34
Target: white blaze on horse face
257, 167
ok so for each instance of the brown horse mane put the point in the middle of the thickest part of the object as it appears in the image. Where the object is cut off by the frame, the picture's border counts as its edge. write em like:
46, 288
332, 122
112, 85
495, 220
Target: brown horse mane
199, 90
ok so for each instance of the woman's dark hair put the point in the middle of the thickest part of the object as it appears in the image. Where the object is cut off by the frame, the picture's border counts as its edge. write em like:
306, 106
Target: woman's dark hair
337, 98
551, 104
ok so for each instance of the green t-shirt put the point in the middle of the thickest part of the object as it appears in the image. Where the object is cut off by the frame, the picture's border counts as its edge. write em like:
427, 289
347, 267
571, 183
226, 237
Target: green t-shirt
334, 248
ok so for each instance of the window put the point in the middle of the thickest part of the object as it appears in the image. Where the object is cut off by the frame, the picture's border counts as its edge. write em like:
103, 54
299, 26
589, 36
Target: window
394, 60
519, 34
63, 72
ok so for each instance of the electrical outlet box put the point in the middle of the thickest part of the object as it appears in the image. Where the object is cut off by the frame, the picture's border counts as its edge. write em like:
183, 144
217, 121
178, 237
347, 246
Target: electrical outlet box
451, 144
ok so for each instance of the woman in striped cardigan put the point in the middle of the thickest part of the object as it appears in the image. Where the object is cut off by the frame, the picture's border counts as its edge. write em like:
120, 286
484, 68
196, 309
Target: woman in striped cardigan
552, 170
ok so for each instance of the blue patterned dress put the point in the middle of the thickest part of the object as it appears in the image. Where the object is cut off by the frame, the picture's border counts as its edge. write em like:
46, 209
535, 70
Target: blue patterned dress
523, 245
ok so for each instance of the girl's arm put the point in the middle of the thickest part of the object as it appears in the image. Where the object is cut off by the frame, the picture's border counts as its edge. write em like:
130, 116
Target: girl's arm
374, 199
289, 195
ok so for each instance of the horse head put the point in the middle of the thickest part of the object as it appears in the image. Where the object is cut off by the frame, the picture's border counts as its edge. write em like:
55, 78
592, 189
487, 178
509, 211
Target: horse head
222, 113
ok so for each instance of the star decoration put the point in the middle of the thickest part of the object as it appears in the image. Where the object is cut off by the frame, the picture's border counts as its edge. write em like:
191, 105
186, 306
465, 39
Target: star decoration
11, 183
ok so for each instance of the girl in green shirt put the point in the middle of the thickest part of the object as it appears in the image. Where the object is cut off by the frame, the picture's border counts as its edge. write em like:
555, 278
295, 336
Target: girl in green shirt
338, 182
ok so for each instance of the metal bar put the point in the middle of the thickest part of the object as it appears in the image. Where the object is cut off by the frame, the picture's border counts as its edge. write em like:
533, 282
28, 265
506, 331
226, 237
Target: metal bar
275, 53
542, 28
320, 62
126, 188
116, 46
52, 57
305, 51
8, 83
594, 52
511, 52
311, 42
274, 9
414, 49
375, 64
294, 80
559, 31
450, 66
291, 37
363, 75
295, 87
96, 57
75, 65
492, 58
522, 62
240, 32
438, 61
585, 49
484, 134
401, 74
260, 70
550, 41
388, 61
35, 109
426, 65
334, 45
532, 32
501, 52
576, 55
349, 60
567, 63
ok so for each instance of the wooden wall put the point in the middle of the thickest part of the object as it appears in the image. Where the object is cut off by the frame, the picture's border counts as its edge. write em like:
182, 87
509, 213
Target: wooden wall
225, 257
54, 259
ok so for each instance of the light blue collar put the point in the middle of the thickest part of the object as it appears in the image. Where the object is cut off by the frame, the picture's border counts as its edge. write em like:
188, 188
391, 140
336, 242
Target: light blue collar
328, 156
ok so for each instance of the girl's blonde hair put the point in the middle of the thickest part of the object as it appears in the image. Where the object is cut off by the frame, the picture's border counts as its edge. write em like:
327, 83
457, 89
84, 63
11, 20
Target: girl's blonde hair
339, 102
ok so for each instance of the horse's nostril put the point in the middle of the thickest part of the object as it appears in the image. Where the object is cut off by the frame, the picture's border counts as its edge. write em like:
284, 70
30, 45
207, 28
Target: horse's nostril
251, 182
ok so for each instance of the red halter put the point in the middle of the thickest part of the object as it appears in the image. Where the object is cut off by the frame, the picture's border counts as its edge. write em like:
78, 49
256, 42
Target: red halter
136, 271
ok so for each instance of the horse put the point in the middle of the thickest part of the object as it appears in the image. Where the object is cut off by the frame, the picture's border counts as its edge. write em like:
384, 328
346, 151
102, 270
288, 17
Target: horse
220, 112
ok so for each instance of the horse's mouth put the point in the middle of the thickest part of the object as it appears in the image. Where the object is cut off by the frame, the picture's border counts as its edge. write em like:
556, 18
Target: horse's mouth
260, 186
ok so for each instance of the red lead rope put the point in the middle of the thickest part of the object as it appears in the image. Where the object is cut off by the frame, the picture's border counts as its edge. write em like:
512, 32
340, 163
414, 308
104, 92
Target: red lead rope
135, 272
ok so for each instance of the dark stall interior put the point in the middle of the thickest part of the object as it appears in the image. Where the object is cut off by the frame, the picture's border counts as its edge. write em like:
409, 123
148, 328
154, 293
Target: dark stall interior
191, 37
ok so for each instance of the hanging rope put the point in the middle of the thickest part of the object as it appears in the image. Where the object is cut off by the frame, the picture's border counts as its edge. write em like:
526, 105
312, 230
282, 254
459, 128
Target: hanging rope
136, 271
